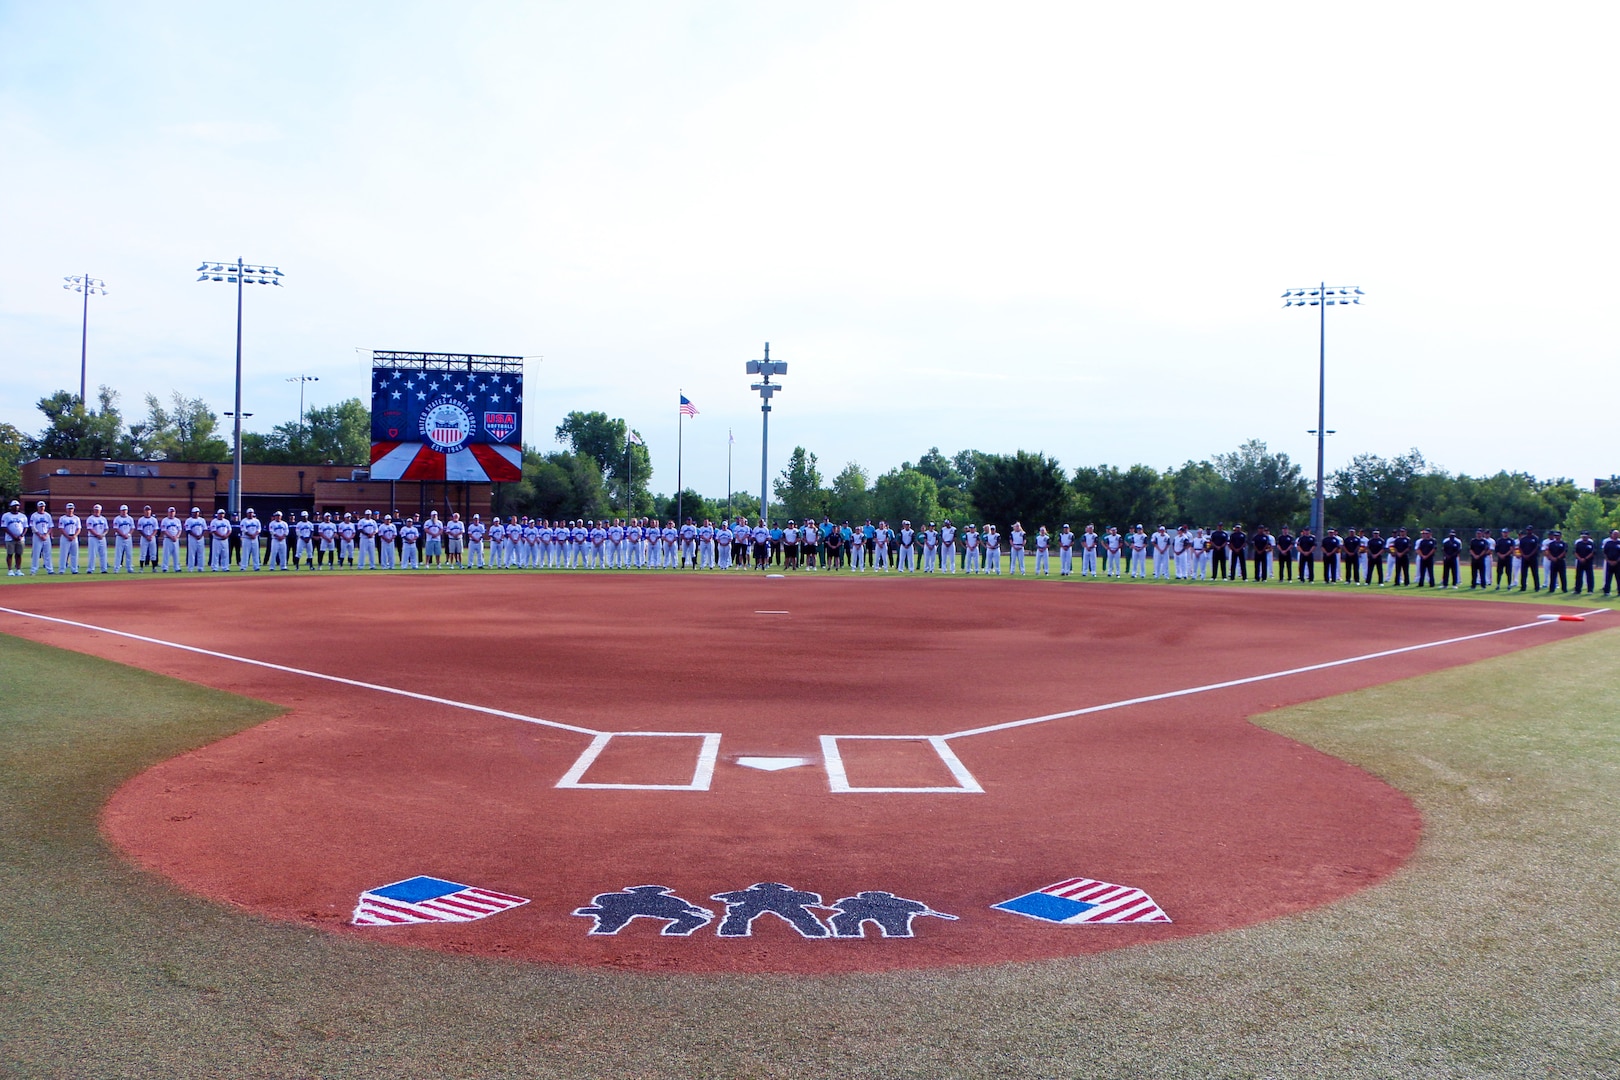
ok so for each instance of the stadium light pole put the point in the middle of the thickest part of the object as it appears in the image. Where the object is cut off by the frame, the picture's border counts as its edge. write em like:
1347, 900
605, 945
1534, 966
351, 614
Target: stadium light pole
301, 380
765, 369
1322, 297
89, 286
238, 274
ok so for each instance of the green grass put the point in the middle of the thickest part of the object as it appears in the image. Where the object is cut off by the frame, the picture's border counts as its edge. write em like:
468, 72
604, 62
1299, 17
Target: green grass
1495, 953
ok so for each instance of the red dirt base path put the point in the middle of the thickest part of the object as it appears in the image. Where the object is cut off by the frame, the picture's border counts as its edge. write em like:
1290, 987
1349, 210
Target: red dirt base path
1222, 823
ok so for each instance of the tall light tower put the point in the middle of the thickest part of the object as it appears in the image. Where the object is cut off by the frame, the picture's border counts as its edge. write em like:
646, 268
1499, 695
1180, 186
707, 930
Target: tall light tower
301, 380
84, 283
765, 369
238, 274
1322, 297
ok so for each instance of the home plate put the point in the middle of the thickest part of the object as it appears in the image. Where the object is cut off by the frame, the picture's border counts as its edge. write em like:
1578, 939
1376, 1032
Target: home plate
772, 764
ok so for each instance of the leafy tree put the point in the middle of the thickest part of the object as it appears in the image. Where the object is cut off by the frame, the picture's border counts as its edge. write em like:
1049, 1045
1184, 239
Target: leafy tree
850, 499
555, 486
13, 444
1138, 495
607, 441
187, 431
1024, 487
799, 493
339, 433
1374, 490
905, 495
1202, 495
1586, 513
949, 480
1264, 488
690, 505
73, 432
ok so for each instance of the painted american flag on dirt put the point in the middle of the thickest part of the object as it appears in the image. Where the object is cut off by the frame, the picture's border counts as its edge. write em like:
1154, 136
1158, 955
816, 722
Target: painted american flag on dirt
429, 899
1082, 901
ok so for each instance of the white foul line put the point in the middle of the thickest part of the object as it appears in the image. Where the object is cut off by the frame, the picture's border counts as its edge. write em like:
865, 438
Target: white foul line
309, 674
1239, 682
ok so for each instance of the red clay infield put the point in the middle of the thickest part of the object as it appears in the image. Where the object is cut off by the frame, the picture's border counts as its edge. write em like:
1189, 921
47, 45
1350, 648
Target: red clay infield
1222, 823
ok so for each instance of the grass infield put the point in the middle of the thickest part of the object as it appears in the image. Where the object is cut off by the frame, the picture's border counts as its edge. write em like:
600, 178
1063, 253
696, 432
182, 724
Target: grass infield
1496, 952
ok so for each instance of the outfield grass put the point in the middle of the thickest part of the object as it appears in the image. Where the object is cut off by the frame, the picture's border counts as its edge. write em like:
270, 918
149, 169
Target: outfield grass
1495, 953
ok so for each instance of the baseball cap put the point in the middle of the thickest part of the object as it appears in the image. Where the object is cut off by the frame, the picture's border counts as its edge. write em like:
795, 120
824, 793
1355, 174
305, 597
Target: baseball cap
123, 506
194, 510
70, 506
14, 502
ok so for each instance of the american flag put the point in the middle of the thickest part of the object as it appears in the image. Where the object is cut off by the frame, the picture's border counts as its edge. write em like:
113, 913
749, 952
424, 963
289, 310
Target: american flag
429, 899
687, 408
1079, 901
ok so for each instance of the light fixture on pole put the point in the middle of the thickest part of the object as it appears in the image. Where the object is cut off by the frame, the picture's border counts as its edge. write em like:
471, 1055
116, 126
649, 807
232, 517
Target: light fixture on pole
89, 286
765, 369
1322, 297
238, 273
301, 380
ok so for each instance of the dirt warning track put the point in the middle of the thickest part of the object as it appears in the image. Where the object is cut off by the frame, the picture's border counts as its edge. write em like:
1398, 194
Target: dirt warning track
867, 744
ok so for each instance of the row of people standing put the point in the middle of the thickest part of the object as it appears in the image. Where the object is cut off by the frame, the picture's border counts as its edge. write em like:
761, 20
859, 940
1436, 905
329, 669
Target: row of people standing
372, 541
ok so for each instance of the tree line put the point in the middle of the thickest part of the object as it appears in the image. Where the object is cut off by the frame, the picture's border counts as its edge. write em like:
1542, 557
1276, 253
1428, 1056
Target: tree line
605, 470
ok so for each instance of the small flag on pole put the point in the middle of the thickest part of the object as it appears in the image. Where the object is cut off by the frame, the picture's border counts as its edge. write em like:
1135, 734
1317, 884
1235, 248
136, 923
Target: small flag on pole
687, 408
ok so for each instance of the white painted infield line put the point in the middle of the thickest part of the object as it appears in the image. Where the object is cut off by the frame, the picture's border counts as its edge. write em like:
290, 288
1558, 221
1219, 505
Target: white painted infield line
702, 775
308, 674
838, 776
1243, 682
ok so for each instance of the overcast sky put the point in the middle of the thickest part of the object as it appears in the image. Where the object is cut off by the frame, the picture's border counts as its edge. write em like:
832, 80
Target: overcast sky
1058, 227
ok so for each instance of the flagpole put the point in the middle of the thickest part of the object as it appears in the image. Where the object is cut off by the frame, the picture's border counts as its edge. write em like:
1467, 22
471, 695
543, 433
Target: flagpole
680, 489
630, 485
729, 443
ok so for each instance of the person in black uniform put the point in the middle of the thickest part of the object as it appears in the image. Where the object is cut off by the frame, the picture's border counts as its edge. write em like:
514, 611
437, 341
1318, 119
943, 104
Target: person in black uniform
1584, 550
1450, 549
1236, 544
1426, 546
1479, 550
1611, 561
1307, 555
1504, 558
1261, 542
1217, 551
1376, 545
1285, 555
1529, 546
1330, 556
1557, 565
1400, 545
1352, 556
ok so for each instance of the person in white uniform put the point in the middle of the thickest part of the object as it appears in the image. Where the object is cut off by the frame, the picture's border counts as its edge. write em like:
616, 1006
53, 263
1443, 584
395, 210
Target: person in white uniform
908, 550
304, 531
96, 528
248, 532
278, 529
1111, 544
147, 526
1016, 541
475, 543
220, 530
1139, 547
387, 542
947, 547
408, 534
123, 531
367, 528
40, 523
68, 527
992, 550
173, 529
196, 542
1066, 551
13, 527
1161, 553
1088, 551
1043, 557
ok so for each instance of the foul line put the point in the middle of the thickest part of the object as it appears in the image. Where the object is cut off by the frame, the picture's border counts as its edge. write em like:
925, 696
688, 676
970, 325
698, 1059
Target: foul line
309, 674
1242, 682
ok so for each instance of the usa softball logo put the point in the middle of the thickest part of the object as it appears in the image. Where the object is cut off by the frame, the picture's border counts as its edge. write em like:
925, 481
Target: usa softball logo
447, 425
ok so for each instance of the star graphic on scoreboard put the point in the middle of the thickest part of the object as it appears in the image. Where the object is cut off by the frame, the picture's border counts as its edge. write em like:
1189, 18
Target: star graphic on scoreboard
395, 395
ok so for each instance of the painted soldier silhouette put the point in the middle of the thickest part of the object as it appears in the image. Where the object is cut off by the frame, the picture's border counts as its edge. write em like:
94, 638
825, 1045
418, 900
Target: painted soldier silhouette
790, 905
615, 909
891, 913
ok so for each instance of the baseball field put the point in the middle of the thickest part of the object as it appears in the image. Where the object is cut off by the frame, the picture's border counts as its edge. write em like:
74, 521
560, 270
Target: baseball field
746, 826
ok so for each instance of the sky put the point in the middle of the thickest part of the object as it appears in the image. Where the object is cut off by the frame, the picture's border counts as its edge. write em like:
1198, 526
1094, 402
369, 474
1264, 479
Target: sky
1054, 227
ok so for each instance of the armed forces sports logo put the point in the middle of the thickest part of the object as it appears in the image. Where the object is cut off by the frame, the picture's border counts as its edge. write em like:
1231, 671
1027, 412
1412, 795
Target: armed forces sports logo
446, 425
